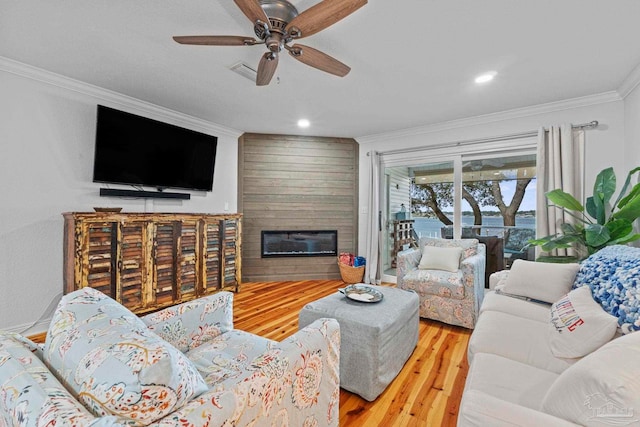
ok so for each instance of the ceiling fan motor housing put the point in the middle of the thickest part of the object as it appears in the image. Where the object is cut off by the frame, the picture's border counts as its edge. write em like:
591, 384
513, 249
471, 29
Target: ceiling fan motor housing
280, 13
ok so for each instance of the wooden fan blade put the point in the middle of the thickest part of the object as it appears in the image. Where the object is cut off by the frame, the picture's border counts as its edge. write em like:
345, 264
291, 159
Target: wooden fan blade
253, 11
267, 68
216, 40
321, 16
319, 60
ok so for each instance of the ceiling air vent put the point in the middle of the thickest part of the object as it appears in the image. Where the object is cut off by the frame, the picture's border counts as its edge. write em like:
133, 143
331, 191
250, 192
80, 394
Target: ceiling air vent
244, 70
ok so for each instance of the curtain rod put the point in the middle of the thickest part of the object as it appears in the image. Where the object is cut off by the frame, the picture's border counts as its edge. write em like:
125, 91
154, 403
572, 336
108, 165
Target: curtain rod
591, 125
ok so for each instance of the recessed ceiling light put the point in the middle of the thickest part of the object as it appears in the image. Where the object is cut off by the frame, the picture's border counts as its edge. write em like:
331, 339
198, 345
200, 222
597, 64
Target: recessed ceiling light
303, 123
486, 77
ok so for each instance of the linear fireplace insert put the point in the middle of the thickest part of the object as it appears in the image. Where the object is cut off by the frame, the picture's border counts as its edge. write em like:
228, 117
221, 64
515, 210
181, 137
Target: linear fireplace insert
286, 243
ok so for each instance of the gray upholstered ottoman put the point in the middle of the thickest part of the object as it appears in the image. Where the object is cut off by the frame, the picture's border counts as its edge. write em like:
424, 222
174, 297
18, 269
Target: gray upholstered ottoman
376, 338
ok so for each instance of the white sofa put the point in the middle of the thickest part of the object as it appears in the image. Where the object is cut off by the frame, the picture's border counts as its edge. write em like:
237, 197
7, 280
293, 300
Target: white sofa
514, 377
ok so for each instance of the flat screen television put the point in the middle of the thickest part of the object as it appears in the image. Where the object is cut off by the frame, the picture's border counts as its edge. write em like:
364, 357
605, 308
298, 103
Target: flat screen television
139, 151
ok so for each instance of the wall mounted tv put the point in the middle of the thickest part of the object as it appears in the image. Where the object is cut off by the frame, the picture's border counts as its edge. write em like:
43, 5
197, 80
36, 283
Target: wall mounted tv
139, 151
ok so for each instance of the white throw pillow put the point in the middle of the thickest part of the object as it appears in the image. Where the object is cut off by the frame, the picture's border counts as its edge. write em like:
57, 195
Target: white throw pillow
579, 325
601, 389
436, 258
541, 281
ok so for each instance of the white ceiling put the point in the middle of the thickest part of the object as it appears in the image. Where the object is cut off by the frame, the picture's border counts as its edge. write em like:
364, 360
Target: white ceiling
413, 61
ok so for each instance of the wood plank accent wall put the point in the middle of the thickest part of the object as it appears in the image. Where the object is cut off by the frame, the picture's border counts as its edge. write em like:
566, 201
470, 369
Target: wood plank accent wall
290, 182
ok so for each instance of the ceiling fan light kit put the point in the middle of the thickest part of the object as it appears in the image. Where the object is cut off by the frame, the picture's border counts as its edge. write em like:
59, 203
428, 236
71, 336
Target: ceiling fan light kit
276, 23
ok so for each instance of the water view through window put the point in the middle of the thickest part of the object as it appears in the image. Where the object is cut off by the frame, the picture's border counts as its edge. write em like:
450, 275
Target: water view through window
498, 200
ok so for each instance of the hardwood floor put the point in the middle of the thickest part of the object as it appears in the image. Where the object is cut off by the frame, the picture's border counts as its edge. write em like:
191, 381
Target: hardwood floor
427, 391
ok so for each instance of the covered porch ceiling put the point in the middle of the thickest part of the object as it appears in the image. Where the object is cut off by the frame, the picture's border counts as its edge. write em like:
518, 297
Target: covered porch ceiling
498, 168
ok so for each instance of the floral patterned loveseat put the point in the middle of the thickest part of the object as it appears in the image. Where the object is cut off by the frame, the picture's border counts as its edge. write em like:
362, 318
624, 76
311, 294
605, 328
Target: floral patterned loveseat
101, 365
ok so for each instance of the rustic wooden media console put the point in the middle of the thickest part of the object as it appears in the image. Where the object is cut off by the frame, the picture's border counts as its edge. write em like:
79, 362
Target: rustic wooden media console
149, 261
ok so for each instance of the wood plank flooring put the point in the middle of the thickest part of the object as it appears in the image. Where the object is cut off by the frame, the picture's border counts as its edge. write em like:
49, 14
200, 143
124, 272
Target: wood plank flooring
427, 391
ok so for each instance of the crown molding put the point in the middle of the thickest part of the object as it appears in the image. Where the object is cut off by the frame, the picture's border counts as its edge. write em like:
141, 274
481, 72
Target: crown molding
113, 98
516, 113
630, 82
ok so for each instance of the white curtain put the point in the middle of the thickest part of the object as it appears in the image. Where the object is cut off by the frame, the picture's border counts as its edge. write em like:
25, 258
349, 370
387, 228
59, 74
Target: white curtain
372, 250
560, 164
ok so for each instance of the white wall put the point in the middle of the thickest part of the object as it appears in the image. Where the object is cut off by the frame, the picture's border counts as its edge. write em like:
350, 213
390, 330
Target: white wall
632, 137
605, 145
632, 128
47, 130
47, 126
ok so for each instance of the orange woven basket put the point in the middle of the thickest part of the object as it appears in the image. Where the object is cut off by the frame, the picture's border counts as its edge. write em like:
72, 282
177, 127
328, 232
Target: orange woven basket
351, 274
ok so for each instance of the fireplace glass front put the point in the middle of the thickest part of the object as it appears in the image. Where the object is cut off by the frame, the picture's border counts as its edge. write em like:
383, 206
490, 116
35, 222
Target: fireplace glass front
288, 243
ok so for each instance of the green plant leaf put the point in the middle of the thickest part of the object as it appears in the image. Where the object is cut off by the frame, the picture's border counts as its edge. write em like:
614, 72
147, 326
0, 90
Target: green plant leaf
603, 189
590, 206
619, 228
625, 186
559, 242
635, 191
605, 185
564, 200
599, 207
548, 247
626, 239
540, 241
630, 211
596, 235
568, 228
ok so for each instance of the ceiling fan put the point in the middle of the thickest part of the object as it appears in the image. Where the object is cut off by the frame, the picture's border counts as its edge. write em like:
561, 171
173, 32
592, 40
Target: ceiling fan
276, 23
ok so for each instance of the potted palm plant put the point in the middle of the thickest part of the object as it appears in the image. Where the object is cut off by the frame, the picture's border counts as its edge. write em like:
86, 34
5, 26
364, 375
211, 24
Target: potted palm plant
598, 223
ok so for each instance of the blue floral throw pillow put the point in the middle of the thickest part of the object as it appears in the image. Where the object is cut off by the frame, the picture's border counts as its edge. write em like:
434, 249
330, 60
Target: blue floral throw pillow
613, 274
113, 364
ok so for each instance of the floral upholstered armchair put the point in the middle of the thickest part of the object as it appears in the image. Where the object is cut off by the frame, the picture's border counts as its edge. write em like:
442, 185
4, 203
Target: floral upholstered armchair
102, 366
448, 276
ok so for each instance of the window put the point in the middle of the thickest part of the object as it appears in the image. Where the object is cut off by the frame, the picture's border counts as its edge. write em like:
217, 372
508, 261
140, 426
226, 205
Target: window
488, 196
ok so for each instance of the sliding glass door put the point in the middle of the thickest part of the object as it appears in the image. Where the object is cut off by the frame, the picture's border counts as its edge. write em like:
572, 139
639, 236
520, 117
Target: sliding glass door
489, 196
499, 205
416, 205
